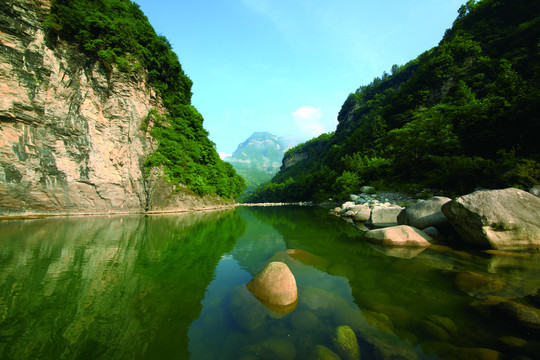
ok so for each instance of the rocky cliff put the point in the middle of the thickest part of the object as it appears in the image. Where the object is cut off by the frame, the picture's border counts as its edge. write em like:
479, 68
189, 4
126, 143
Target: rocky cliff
70, 130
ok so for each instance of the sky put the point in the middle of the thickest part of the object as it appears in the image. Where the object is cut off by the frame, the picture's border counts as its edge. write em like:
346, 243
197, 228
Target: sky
287, 66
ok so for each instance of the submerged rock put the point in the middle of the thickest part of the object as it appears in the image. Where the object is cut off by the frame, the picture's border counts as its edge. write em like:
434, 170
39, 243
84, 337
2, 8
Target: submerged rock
346, 344
471, 282
273, 348
275, 285
506, 219
424, 214
323, 353
401, 235
245, 309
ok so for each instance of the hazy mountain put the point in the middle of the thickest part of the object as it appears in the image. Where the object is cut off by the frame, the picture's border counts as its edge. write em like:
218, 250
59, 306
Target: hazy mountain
259, 157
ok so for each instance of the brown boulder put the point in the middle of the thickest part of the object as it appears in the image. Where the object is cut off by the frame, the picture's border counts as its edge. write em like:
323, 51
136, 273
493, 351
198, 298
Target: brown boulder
401, 235
275, 285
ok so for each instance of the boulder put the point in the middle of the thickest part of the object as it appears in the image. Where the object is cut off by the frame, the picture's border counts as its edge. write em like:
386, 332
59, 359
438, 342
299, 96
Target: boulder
367, 190
346, 343
424, 214
354, 197
363, 213
535, 190
323, 353
275, 285
506, 219
401, 235
384, 216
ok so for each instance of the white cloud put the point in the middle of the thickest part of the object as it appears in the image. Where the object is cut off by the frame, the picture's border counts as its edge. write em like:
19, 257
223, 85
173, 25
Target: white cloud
308, 120
223, 155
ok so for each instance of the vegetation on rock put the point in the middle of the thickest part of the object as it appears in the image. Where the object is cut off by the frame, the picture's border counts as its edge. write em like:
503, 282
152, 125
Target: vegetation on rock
462, 115
118, 34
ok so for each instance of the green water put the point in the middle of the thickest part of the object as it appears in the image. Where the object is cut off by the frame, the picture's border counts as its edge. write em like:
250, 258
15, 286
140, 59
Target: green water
172, 287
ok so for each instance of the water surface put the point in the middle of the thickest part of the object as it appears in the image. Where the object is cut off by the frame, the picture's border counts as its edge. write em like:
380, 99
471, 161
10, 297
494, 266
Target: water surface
172, 287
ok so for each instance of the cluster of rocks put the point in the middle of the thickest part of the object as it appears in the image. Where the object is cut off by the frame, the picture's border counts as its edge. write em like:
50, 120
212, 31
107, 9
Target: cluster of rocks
507, 219
272, 297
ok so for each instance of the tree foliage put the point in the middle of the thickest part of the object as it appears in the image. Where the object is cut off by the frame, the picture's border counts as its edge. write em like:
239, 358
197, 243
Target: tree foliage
117, 34
462, 115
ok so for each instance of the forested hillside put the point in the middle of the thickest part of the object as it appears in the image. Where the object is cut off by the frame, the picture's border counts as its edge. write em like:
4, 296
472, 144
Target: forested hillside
117, 34
462, 115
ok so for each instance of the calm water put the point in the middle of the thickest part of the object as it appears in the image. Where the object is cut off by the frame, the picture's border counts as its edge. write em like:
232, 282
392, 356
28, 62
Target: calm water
172, 287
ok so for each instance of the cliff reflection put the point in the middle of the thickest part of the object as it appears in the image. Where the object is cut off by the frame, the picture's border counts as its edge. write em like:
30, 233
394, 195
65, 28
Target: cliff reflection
107, 287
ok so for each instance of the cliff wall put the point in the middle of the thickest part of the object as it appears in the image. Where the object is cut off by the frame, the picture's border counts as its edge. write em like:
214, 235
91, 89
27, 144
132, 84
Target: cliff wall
70, 131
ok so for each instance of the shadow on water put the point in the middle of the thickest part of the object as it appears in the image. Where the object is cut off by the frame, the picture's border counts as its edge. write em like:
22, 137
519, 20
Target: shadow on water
107, 287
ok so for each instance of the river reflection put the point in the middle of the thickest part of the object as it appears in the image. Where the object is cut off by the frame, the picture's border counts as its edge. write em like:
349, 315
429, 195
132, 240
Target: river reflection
173, 286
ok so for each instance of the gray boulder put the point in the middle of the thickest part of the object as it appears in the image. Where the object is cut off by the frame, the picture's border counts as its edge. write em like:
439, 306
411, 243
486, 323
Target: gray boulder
424, 214
367, 190
384, 216
506, 219
535, 190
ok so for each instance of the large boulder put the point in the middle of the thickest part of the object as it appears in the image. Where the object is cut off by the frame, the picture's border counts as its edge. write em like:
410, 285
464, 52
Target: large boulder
384, 216
506, 219
424, 214
275, 285
402, 235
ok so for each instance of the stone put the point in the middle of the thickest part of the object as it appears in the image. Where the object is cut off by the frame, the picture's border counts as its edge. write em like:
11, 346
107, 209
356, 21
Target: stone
308, 258
402, 252
363, 213
346, 343
507, 219
274, 348
323, 353
275, 285
304, 320
424, 214
354, 197
432, 232
535, 190
401, 235
384, 216
367, 190
475, 283
245, 309
527, 316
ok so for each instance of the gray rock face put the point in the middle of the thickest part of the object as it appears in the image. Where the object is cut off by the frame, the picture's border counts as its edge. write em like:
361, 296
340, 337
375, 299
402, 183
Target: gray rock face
506, 219
424, 214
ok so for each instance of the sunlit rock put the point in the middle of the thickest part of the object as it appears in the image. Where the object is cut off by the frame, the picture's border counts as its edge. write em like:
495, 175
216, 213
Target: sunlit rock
275, 284
384, 216
346, 344
506, 219
401, 235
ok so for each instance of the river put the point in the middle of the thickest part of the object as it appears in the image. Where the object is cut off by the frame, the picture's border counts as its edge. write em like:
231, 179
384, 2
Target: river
172, 287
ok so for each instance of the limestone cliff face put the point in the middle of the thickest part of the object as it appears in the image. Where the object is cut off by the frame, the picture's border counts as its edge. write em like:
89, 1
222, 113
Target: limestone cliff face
70, 131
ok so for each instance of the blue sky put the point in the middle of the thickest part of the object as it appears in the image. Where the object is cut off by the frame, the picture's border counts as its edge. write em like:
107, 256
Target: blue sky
287, 66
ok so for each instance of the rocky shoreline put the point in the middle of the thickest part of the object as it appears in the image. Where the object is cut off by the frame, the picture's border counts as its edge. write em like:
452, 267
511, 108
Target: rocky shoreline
506, 219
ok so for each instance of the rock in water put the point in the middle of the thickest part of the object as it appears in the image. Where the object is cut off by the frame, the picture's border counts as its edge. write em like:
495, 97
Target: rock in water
323, 353
275, 284
506, 219
346, 344
424, 214
401, 235
384, 216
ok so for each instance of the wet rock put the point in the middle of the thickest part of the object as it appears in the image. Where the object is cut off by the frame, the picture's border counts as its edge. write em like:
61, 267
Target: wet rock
345, 343
512, 341
401, 252
384, 216
379, 320
275, 284
245, 309
424, 214
304, 320
524, 315
506, 219
323, 353
475, 283
447, 351
271, 349
308, 258
401, 235
381, 346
